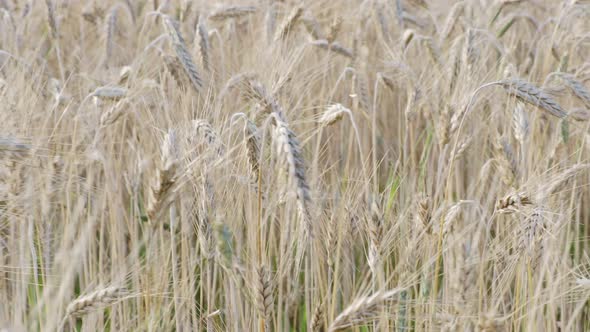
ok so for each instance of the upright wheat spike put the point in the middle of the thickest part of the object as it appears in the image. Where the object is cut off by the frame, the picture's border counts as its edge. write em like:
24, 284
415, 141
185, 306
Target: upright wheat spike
424, 214
375, 238
452, 18
204, 132
264, 297
520, 123
110, 32
288, 147
182, 53
253, 144
316, 323
160, 193
530, 94
203, 43
288, 23
174, 67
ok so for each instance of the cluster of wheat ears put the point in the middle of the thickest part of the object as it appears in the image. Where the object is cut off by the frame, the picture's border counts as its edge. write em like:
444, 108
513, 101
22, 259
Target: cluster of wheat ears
376, 165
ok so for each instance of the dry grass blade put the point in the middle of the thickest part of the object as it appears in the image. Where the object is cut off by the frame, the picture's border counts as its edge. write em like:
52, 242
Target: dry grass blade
362, 310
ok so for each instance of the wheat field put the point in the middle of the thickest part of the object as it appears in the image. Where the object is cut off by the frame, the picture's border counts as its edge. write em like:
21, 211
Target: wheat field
343, 165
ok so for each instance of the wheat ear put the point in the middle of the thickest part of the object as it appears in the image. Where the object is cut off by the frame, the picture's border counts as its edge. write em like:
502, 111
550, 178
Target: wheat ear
225, 13
288, 147
92, 301
288, 23
532, 95
362, 310
182, 53
160, 193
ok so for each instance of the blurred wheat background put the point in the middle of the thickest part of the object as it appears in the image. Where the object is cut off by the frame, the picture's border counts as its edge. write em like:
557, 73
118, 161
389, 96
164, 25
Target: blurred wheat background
377, 165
